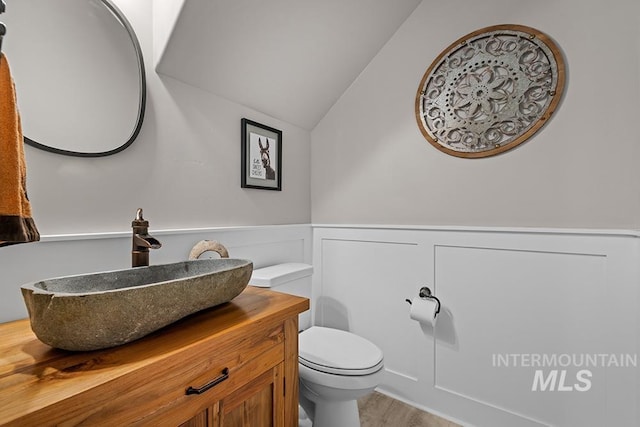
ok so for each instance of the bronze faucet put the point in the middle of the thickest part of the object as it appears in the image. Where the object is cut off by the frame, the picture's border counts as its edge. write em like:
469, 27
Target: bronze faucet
142, 242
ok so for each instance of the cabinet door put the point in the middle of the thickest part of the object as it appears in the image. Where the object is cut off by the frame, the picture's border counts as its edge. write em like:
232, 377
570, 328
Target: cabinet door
203, 419
258, 404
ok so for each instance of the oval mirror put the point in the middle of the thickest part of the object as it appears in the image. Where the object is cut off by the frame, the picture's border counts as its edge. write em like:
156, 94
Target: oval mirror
79, 75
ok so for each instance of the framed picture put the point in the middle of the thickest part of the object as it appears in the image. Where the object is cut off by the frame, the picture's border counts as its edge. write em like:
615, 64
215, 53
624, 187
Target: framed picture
261, 156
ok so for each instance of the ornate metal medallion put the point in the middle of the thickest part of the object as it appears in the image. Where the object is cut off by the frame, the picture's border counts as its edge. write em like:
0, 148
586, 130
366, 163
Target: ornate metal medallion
490, 91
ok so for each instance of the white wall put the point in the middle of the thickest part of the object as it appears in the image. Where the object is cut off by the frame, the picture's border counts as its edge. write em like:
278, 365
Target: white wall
503, 292
184, 168
370, 164
535, 287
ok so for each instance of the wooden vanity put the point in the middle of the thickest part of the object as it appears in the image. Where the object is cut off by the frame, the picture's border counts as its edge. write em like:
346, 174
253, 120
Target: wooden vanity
241, 357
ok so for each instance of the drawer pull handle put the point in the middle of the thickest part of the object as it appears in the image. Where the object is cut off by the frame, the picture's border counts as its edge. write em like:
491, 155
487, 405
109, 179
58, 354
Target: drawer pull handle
224, 375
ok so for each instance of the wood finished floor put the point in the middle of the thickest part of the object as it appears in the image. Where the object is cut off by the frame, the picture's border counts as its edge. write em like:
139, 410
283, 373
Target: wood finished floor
378, 410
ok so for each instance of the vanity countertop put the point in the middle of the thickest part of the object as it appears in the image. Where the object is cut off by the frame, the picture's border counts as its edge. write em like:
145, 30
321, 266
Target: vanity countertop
35, 377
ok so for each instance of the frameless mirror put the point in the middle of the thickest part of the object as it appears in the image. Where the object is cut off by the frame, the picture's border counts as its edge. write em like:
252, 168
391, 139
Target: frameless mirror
79, 75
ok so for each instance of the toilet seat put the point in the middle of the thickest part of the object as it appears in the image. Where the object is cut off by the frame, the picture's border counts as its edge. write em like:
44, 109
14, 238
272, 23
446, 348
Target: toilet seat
338, 352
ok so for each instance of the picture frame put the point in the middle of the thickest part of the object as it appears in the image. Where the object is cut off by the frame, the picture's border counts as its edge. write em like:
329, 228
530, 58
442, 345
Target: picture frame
261, 156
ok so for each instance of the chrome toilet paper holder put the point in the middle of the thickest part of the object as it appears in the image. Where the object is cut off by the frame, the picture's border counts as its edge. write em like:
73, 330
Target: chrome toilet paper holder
425, 293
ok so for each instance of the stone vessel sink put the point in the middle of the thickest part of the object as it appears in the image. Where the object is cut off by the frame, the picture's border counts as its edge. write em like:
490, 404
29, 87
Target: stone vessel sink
101, 310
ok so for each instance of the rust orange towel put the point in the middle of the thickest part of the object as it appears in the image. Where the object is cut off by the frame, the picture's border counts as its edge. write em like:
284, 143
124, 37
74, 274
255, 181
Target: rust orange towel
16, 224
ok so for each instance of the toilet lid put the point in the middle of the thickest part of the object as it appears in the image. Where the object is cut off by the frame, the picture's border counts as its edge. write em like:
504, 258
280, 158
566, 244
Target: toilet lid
338, 352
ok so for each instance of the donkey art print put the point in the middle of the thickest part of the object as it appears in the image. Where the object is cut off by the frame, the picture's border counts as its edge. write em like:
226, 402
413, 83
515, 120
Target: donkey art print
261, 156
266, 159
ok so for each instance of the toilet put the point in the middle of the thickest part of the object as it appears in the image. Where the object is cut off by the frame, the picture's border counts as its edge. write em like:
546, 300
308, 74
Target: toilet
336, 367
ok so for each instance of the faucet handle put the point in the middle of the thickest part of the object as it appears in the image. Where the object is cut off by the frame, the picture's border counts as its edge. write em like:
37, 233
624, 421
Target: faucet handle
139, 221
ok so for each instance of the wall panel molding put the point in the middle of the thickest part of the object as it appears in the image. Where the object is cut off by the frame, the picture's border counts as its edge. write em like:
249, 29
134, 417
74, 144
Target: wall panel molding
502, 290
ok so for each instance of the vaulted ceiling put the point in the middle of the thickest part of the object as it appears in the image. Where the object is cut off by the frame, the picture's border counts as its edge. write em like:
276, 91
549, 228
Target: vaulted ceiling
290, 59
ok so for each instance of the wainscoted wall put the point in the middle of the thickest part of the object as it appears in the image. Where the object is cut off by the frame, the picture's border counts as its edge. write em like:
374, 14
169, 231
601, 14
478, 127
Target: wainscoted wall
74, 254
510, 293
516, 294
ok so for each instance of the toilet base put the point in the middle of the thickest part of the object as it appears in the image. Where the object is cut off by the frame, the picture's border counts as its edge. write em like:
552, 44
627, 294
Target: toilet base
332, 414
303, 418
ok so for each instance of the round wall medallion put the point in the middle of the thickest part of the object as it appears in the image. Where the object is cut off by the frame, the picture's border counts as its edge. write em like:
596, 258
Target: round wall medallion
490, 91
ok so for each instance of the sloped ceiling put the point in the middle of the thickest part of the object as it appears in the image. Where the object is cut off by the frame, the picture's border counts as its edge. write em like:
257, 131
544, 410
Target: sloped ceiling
290, 59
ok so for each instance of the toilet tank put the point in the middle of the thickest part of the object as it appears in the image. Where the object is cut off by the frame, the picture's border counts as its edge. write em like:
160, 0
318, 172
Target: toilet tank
291, 278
